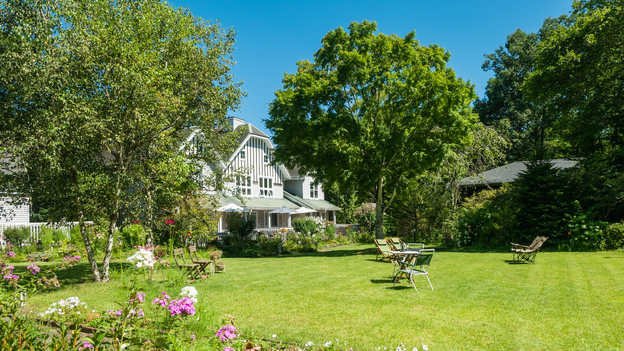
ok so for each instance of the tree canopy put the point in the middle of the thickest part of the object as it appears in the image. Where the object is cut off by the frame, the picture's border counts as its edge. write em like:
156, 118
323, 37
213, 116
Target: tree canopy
371, 110
527, 124
580, 71
97, 97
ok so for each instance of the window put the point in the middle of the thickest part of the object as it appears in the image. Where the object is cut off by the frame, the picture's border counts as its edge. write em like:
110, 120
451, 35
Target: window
266, 187
243, 185
314, 191
242, 154
266, 158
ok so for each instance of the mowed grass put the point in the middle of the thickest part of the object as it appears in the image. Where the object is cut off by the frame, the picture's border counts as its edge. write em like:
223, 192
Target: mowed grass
567, 301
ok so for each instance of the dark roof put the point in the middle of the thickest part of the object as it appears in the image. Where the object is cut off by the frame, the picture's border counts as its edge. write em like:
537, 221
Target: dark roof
508, 173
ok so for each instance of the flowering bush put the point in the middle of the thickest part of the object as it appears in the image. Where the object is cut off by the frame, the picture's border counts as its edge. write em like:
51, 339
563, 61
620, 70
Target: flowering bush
143, 259
366, 217
7, 274
33, 269
71, 309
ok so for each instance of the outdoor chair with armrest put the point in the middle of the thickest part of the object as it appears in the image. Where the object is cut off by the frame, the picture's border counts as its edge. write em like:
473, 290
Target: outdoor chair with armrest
203, 264
190, 270
527, 253
419, 267
384, 250
397, 245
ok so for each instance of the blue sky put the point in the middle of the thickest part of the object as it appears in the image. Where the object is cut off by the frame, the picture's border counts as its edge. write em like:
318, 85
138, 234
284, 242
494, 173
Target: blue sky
273, 35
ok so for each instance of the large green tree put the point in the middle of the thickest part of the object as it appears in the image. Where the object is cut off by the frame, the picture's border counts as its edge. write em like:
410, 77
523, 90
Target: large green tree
525, 122
580, 71
370, 112
96, 100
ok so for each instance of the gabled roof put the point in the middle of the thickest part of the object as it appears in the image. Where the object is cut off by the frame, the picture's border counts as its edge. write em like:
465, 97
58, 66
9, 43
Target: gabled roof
507, 173
319, 205
294, 173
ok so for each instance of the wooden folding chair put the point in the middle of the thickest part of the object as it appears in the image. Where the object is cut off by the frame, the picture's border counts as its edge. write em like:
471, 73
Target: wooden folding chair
203, 264
191, 270
219, 266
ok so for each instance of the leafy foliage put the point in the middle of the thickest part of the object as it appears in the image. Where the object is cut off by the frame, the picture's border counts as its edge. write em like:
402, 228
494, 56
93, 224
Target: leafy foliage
526, 123
98, 98
370, 112
579, 70
16, 236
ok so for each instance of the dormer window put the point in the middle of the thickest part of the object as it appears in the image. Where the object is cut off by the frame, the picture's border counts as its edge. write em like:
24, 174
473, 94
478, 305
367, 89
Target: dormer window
242, 154
313, 191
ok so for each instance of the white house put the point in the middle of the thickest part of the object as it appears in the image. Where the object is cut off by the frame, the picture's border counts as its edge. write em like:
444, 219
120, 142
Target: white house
266, 187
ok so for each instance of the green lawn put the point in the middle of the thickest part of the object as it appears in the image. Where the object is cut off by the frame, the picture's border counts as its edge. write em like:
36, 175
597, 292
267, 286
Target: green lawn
566, 301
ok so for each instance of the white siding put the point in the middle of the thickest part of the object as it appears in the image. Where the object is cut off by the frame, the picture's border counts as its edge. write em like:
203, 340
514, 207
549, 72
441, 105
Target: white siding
254, 165
13, 214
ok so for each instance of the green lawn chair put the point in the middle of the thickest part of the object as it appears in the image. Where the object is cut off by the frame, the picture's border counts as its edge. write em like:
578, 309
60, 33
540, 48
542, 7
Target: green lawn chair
384, 249
395, 243
419, 267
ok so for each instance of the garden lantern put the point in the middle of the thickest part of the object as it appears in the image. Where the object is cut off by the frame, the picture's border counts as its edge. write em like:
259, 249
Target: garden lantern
39, 245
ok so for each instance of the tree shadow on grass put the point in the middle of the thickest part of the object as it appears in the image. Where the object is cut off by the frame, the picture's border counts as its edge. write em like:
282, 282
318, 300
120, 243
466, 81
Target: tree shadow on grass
81, 273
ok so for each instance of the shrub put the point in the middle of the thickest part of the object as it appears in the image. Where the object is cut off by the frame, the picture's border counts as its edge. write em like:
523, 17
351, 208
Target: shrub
614, 236
16, 236
488, 219
330, 231
308, 225
75, 236
268, 246
240, 225
365, 216
133, 235
46, 236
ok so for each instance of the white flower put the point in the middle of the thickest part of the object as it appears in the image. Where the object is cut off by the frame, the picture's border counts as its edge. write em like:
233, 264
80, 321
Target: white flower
399, 348
309, 343
425, 347
143, 258
414, 349
328, 344
274, 335
190, 292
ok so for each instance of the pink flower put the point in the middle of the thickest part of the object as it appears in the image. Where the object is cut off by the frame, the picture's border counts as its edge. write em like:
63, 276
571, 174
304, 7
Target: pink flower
183, 307
170, 221
226, 332
33, 269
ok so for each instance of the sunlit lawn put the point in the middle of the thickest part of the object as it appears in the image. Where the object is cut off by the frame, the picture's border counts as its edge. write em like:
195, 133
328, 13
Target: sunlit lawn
481, 301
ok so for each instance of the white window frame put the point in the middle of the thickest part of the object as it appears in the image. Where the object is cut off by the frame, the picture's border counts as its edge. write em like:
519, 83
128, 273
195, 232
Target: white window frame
265, 185
266, 158
243, 185
314, 190
242, 155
